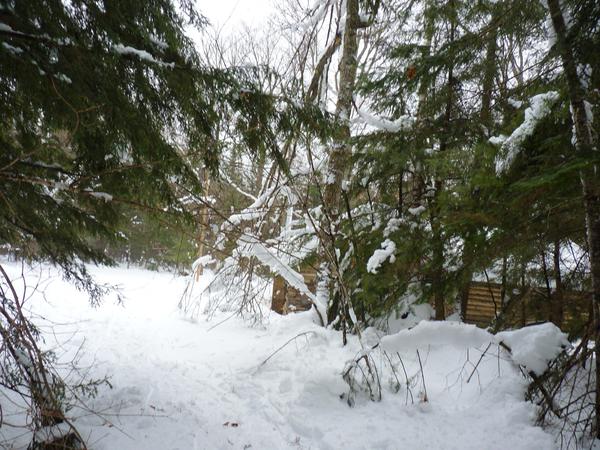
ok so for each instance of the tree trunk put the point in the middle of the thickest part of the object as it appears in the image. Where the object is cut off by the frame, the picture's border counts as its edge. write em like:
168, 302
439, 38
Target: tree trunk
585, 146
339, 165
204, 222
467, 274
438, 278
438, 273
558, 297
489, 74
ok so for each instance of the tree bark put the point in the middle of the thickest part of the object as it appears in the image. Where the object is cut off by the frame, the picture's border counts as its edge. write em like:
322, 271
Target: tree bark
204, 223
558, 297
438, 274
339, 165
585, 146
489, 74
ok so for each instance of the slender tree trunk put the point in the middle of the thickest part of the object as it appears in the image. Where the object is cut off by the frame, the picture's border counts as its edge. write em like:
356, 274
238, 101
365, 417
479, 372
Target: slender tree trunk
558, 297
467, 273
438, 278
424, 85
504, 280
204, 223
585, 146
489, 74
438, 274
339, 165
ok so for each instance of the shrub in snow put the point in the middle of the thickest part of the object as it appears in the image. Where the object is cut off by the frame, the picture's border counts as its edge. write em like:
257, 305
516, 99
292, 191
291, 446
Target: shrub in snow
533, 348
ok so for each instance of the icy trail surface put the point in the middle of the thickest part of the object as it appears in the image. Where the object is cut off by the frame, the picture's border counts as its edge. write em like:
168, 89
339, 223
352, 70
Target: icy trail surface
185, 385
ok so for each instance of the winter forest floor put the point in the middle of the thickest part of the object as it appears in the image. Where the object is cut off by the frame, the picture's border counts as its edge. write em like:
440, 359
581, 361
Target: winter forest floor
178, 384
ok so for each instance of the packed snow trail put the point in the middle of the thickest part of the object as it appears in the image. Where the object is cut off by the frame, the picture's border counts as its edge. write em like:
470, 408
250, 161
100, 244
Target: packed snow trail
182, 385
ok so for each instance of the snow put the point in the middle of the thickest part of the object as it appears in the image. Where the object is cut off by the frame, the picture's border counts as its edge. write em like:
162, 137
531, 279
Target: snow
50, 433
497, 140
412, 314
534, 346
329, 178
142, 54
158, 42
101, 196
203, 261
539, 108
517, 104
179, 384
393, 126
12, 49
259, 207
392, 226
388, 250
452, 334
416, 211
63, 77
249, 245
316, 14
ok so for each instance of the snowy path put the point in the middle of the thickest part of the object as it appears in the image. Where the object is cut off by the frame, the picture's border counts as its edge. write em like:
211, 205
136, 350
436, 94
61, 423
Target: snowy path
177, 385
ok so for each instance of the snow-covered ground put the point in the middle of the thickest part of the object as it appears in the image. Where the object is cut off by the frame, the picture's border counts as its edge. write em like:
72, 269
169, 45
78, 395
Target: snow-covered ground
178, 384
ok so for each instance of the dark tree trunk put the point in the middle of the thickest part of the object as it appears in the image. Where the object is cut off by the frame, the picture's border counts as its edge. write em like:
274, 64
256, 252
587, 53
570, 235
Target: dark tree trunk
558, 297
489, 74
589, 179
438, 273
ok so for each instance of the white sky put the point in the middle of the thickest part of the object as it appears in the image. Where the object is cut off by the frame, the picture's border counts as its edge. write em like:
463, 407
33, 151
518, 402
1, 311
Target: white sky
231, 14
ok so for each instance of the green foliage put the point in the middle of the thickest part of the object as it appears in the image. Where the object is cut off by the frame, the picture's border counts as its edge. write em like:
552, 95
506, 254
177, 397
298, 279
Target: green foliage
470, 217
84, 118
106, 109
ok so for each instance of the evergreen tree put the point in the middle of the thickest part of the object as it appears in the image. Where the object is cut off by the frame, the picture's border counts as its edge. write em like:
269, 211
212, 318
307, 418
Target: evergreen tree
99, 102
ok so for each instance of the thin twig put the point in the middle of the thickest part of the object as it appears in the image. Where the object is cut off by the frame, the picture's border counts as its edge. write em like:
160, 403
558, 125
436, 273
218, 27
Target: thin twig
283, 346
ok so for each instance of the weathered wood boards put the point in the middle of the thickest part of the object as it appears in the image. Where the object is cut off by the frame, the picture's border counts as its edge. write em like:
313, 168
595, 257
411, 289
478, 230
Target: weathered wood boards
484, 303
287, 299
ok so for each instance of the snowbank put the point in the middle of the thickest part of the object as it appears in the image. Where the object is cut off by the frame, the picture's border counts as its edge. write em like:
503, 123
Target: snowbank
535, 346
532, 347
454, 334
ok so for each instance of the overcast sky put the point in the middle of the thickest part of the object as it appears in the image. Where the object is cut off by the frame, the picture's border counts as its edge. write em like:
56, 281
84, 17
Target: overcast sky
230, 14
